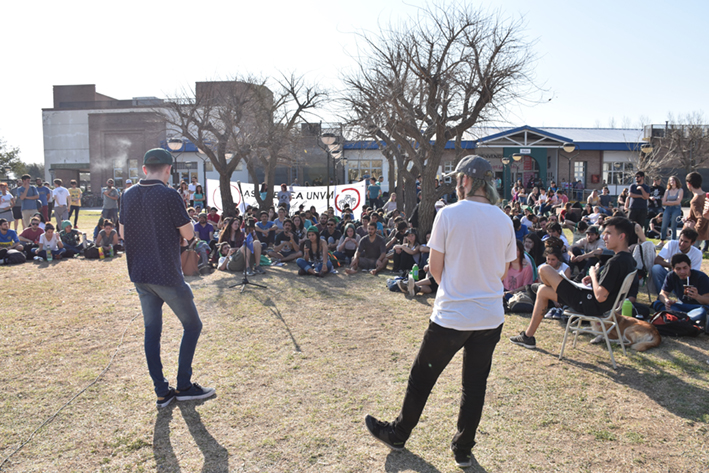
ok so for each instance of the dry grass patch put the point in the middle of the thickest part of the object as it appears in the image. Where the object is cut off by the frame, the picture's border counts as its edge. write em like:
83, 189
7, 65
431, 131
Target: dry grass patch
298, 365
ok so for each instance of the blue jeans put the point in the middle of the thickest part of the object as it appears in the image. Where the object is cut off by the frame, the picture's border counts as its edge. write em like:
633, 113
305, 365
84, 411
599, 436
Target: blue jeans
696, 312
658, 274
43, 253
669, 216
181, 301
306, 265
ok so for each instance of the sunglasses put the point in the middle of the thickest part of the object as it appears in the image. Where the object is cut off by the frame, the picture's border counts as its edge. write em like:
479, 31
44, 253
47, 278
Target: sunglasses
35, 224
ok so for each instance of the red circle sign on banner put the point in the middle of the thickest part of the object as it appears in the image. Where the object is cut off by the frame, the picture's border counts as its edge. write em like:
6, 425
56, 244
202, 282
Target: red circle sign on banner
218, 202
347, 196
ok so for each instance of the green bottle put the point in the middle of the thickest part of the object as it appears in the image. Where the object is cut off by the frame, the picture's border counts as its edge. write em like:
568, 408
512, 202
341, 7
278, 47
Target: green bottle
627, 309
415, 272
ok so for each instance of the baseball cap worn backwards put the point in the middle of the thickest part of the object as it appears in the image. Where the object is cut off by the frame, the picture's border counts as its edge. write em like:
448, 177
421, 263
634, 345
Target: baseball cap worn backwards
157, 156
475, 167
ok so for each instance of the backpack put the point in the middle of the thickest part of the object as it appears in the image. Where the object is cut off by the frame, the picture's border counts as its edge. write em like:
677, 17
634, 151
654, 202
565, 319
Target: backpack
520, 302
673, 323
13, 256
190, 259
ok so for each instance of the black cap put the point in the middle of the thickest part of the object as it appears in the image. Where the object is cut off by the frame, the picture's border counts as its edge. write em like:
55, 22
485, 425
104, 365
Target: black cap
157, 156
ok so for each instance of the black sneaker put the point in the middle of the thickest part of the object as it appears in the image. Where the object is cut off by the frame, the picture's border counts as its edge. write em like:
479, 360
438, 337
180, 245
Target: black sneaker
195, 392
462, 459
384, 432
166, 399
523, 340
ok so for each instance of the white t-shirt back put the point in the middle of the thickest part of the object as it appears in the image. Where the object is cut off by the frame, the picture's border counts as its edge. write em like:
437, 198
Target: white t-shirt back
478, 242
61, 196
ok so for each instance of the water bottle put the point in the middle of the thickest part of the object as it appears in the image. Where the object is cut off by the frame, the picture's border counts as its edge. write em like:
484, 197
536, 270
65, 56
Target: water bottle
48, 250
627, 309
415, 272
110, 252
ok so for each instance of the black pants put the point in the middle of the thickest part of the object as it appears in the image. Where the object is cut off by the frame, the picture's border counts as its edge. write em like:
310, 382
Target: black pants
638, 216
403, 261
437, 349
74, 209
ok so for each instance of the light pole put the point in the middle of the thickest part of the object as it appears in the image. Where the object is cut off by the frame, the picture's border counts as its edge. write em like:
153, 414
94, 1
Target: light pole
570, 148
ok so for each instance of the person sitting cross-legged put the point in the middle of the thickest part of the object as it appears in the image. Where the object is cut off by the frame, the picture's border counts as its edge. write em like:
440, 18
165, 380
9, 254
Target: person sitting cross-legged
371, 253
685, 289
427, 285
252, 246
685, 246
108, 238
286, 244
314, 261
71, 239
600, 288
49, 241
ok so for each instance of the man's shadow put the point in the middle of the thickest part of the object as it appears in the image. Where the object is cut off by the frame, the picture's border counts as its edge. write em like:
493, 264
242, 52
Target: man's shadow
216, 457
409, 461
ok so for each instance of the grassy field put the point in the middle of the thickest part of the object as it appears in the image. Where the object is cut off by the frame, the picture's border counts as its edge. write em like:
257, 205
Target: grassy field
298, 365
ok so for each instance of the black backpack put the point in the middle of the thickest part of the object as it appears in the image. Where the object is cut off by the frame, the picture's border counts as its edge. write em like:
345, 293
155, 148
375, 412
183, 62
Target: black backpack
673, 323
12, 256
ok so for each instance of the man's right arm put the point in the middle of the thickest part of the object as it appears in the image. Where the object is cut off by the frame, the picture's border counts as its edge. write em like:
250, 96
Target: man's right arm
661, 261
187, 231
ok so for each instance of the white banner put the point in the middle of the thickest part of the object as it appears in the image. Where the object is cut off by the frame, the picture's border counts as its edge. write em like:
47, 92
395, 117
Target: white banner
352, 194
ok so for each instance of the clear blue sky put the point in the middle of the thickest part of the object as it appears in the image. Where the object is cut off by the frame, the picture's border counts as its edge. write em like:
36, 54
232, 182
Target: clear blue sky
599, 60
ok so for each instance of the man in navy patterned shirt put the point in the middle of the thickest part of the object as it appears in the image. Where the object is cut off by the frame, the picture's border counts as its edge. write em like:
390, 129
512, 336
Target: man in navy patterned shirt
153, 225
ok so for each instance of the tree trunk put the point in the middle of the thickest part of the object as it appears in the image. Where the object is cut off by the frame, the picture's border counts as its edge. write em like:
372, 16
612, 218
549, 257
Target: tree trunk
228, 208
409, 195
427, 210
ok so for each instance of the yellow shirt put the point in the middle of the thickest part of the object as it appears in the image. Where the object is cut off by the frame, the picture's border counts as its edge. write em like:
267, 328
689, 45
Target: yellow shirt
75, 196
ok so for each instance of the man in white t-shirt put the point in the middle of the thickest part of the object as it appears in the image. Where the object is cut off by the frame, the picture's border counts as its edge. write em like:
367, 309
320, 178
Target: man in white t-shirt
192, 188
469, 261
61, 202
684, 245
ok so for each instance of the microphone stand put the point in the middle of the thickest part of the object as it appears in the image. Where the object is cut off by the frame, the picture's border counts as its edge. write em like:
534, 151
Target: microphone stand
245, 281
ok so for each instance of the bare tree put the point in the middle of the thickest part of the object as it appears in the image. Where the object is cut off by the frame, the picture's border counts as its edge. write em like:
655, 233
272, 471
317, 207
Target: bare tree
223, 120
425, 82
294, 99
680, 144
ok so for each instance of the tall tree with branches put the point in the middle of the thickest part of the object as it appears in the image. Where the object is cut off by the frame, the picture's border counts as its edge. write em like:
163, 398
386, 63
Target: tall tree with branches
223, 120
293, 100
680, 145
424, 83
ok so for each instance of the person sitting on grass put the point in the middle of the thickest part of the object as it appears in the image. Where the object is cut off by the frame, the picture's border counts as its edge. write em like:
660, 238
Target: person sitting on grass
108, 238
315, 260
331, 234
685, 289
49, 241
8, 238
685, 246
406, 253
600, 288
252, 247
347, 247
71, 239
30, 236
520, 272
265, 230
286, 245
427, 285
371, 253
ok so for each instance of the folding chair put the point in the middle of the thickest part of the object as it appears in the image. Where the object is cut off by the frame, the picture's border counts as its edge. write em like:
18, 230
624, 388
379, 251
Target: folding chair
608, 321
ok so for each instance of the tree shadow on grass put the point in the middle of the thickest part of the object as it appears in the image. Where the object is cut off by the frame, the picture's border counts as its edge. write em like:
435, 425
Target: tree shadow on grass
216, 457
662, 374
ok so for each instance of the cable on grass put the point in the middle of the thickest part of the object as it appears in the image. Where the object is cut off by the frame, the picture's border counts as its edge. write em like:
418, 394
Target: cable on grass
53, 416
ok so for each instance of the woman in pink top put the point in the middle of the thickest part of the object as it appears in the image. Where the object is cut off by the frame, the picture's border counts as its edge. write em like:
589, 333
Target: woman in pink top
520, 272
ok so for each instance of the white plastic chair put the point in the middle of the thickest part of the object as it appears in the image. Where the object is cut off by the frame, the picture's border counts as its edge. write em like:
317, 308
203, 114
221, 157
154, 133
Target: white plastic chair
608, 321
